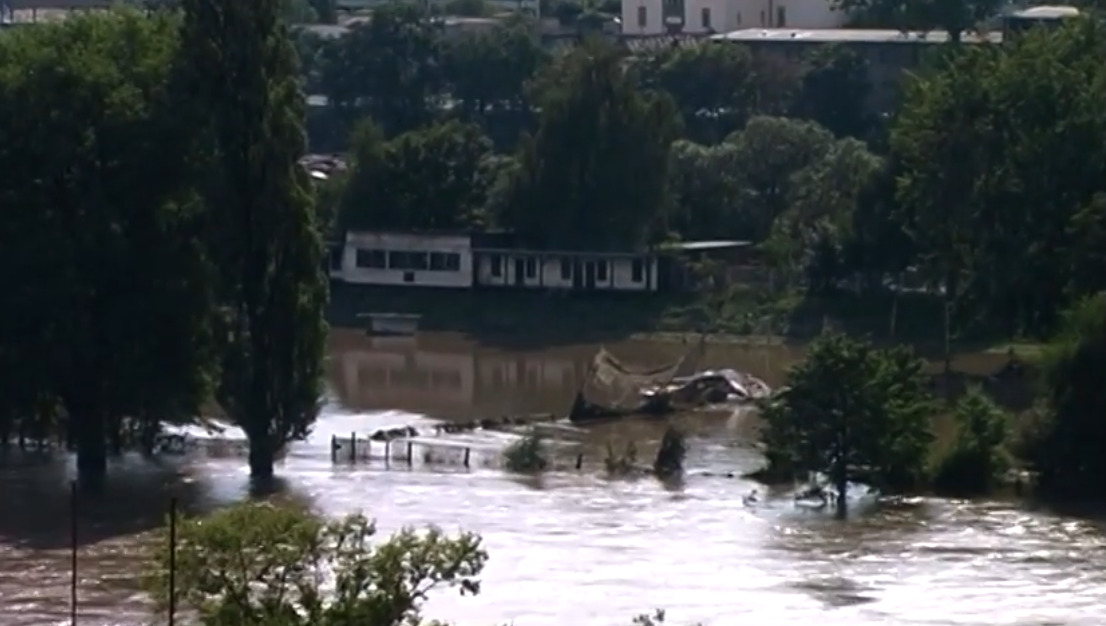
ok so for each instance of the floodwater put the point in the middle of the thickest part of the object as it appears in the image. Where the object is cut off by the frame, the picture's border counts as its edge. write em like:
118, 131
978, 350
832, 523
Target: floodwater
573, 547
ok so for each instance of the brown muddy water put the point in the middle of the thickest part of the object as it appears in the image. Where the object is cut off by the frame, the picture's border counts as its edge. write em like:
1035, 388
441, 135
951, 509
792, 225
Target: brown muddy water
573, 547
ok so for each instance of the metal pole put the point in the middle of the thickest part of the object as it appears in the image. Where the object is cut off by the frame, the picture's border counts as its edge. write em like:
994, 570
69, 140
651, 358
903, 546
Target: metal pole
73, 547
172, 560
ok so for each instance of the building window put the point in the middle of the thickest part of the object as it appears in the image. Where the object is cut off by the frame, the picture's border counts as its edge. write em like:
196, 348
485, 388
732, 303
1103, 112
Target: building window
739, 18
372, 258
781, 17
497, 265
336, 258
705, 16
566, 269
637, 271
445, 261
408, 261
762, 18
531, 267
641, 17
601, 270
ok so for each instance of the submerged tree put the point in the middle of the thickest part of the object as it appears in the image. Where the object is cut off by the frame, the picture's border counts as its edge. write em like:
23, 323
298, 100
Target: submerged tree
849, 408
239, 81
107, 304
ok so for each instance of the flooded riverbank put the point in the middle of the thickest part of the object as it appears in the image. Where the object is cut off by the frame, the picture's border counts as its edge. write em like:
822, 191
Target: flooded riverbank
569, 547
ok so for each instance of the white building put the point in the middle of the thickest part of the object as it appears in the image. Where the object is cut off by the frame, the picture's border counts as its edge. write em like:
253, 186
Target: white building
659, 17
566, 270
422, 260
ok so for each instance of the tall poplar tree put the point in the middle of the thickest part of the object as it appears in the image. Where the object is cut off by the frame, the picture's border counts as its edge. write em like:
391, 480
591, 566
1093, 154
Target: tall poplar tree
239, 79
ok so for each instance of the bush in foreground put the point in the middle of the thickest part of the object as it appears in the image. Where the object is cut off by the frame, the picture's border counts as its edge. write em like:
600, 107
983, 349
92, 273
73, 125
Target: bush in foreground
265, 565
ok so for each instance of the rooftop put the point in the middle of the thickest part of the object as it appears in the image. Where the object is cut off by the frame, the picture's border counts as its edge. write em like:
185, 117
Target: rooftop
850, 35
1046, 13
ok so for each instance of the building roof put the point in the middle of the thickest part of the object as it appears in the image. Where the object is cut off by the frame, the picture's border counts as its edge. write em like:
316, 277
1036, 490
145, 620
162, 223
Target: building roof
701, 246
850, 35
1046, 13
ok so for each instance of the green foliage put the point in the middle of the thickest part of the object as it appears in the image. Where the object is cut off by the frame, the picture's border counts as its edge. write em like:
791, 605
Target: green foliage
526, 455
954, 16
1069, 454
434, 178
595, 175
386, 68
239, 90
1003, 229
851, 407
487, 72
978, 460
835, 92
260, 565
107, 286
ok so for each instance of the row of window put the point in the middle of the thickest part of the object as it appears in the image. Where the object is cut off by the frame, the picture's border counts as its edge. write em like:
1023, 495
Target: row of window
408, 261
671, 7
529, 268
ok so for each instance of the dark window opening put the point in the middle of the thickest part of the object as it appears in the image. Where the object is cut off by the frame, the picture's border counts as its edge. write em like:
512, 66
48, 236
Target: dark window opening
641, 21
531, 267
600, 270
445, 261
637, 271
371, 258
408, 260
497, 265
566, 269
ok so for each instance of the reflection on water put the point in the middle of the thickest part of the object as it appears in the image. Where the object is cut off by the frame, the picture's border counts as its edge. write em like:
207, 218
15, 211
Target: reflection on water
613, 548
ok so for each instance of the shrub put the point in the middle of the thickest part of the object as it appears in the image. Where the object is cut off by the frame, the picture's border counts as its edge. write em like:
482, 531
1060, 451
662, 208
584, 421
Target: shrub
670, 456
264, 565
526, 454
979, 459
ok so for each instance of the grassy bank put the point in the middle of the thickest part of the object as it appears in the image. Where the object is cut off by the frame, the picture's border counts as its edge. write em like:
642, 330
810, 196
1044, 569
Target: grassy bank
740, 315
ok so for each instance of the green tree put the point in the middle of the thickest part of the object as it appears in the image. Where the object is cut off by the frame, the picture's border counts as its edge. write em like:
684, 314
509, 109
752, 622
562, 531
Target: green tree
487, 71
108, 305
850, 407
595, 176
835, 92
999, 154
240, 87
434, 178
387, 68
707, 191
1070, 456
260, 565
954, 16
713, 85
814, 233
769, 152
979, 459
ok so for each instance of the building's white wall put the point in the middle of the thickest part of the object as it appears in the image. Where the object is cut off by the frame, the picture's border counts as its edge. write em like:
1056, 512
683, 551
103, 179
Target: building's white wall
548, 272
653, 20
460, 245
796, 14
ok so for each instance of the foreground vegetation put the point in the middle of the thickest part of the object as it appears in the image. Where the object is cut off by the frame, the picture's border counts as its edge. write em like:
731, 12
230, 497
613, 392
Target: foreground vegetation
266, 565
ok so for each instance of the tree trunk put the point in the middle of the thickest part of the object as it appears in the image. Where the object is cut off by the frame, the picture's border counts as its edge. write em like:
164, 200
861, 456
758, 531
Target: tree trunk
92, 459
262, 457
